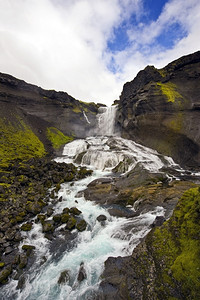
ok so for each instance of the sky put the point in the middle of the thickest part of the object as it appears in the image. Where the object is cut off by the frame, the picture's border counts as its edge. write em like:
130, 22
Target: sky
90, 48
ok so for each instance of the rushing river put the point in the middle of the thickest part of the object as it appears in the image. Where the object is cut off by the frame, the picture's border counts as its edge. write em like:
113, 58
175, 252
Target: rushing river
92, 247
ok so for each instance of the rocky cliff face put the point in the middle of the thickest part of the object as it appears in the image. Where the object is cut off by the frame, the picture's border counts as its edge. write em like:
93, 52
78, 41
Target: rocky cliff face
160, 108
53, 117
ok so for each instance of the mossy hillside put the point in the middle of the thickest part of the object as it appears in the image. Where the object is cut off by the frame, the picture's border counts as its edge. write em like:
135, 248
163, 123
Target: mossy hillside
18, 142
176, 250
57, 138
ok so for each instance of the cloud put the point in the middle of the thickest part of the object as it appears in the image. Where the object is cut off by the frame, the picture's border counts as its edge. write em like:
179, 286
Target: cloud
145, 49
63, 44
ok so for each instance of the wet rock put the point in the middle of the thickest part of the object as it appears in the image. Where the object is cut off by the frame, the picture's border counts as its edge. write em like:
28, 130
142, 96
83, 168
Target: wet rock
82, 273
75, 211
4, 274
101, 218
57, 218
71, 223
23, 260
18, 237
81, 225
60, 199
21, 282
159, 220
48, 226
41, 217
8, 250
64, 277
28, 249
66, 210
65, 217
26, 227
49, 211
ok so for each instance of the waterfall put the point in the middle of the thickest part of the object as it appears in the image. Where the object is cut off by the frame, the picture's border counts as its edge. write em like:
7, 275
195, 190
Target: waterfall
106, 121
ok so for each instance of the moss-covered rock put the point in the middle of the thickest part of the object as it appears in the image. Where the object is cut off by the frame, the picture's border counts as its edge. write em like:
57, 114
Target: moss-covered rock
65, 217
71, 223
23, 260
26, 227
4, 274
75, 211
57, 218
41, 217
48, 226
81, 225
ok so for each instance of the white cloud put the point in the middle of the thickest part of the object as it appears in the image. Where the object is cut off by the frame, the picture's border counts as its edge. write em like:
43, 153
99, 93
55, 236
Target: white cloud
144, 48
62, 44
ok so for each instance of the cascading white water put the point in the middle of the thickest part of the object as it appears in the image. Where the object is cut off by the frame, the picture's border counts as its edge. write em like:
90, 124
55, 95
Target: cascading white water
106, 121
94, 245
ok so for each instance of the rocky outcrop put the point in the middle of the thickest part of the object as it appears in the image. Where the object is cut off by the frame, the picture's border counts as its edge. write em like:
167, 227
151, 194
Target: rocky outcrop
165, 265
160, 108
138, 191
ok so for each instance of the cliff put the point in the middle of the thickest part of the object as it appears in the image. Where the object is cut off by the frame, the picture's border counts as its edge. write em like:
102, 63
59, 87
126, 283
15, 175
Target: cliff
36, 122
160, 108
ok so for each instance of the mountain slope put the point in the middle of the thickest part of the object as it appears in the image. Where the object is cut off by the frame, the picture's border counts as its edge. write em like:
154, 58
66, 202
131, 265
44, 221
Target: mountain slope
34, 121
160, 108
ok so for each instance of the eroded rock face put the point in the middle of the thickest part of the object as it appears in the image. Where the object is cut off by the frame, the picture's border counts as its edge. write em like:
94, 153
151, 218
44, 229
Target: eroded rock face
160, 109
165, 264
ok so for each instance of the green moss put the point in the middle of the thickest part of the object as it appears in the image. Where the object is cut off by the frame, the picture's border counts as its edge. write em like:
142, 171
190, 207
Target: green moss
57, 138
169, 90
22, 143
26, 227
176, 247
4, 274
77, 110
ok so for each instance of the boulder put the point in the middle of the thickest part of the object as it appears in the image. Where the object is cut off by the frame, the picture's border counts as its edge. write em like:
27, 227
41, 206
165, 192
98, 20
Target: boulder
101, 218
26, 227
81, 225
64, 277
71, 223
81, 273
48, 226
75, 211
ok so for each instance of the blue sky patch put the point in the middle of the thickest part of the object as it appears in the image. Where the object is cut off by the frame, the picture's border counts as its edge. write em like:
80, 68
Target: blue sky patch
120, 40
170, 35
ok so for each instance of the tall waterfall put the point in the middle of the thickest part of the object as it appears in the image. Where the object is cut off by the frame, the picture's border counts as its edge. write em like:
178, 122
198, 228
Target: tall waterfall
106, 121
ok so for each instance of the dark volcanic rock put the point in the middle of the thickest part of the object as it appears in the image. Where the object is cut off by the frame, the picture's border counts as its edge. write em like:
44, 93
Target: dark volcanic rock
64, 277
82, 273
